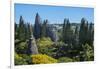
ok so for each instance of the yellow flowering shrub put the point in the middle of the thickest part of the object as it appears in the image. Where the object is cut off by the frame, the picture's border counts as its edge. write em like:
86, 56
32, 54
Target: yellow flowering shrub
42, 59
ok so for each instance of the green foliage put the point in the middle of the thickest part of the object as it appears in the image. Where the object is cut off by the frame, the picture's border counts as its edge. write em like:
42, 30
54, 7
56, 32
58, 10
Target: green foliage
88, 53
21, 29
37, 26
22, 59
45, 45
27, 58
19, 60
42, 59
22, 45
67, 33
76, 59
42, 42
86, 32
71, 46
27, 30
21, 48
44, 29
65, 59
91, 35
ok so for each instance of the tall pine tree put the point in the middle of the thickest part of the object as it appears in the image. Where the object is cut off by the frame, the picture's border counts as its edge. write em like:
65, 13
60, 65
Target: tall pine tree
37, 27
82, 32
44, 28
91, 34
21, 30
67, 32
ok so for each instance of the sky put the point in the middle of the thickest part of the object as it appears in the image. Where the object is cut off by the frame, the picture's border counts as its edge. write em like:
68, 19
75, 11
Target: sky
54, 14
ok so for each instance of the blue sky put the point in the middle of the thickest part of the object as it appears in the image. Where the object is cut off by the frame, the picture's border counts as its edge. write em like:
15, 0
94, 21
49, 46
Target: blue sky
55, 14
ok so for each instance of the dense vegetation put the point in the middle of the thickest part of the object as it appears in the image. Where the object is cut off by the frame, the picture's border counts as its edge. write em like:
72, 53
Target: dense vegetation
43, 42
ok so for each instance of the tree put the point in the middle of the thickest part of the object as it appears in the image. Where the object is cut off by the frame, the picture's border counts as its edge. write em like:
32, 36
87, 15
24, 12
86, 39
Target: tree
64, 32
27, 31
32, 47
67, 32
52, 33
44, 28
76, 38
37, 27
91, 34
16, 31
86, 33
21, 30
82, 32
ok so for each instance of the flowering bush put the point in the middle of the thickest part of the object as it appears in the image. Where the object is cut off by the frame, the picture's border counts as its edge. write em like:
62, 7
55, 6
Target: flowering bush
42, 59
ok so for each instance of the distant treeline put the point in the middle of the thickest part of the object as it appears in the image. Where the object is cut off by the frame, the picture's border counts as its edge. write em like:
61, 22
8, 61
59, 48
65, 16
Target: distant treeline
83, 32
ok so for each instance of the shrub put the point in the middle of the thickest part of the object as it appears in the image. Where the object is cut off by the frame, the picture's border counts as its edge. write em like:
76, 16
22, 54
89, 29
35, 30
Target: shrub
88, 53
44, 45
44, 41
76, 59
42, 59
65, 59
27, 58
19, 60
21, 48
